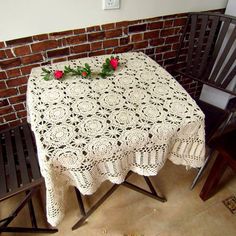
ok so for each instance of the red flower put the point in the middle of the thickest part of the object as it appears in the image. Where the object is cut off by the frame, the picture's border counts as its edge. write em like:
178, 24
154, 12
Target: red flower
84, 74
58, 74
114, 62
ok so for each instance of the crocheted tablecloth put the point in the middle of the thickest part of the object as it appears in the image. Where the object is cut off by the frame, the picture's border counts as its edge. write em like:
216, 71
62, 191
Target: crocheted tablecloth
91, 130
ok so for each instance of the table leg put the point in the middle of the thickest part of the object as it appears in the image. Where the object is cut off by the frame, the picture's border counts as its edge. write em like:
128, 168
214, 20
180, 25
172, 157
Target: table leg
85, 215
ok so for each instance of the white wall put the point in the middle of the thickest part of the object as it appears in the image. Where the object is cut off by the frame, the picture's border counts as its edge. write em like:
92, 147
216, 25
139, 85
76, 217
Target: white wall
20, 18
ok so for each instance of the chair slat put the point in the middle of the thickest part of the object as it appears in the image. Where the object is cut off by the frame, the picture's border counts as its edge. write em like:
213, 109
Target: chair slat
13, 182
226, 69
229, 77
21, 156
200, 43
3, 188
31, 152
191, 40
218, 45
209, 44
223, 56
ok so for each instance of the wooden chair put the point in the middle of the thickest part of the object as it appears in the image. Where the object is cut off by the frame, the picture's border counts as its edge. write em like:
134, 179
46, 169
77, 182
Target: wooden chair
207, 56
19, 173
225, 144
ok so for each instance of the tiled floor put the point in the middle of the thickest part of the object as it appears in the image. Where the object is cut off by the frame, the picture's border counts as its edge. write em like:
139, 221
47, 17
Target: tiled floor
128, 213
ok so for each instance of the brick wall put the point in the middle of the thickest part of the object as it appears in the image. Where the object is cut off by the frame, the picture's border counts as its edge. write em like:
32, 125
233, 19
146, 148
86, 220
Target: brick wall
157, 37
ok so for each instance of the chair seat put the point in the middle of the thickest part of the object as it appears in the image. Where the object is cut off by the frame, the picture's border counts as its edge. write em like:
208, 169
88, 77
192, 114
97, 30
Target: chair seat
19, 172
19, 169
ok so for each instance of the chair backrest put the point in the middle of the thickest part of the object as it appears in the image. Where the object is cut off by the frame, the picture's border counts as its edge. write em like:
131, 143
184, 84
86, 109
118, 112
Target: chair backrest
207, 51
19, 169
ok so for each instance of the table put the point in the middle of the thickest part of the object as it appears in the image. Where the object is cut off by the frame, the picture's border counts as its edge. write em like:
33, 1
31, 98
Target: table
91, 130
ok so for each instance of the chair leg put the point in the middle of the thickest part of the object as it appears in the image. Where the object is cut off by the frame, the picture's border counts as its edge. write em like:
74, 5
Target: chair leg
218, 131
201, 170
214, 177
32, 213
4, 226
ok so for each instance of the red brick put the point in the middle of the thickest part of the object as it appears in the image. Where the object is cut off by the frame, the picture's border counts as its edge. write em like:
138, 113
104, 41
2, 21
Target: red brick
40, 37
137, 28
21, 114
9, 53
96, 36
10, 63
61, 42
163, 48
77, 56
2, 54
4, 103
44, 45
19, 107
168, 55
151, 34
125, 48
155, 18
8, 92
113, 33
2, 86
136, 37
27, 69
180, 22
122, 24
108, 26
32, 59
135, 22
157, 42
124, 41
19, 41
172, 39
79, 31
185, 14
155, 25
167, 32
60, 34
14, 123
109, 51
59, 59
158, 57
58, 52
13, 73
21, 51
110, 43
139, 45
93, 28
23, 89
76, 39
168, 23
175, 46
10, 117
17, 82
6, 110
2, 45
3, 75
23, 119
149, 51
97, 53
17, 99
96, 46
81, 48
